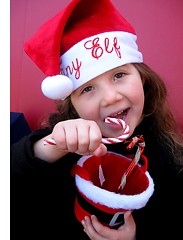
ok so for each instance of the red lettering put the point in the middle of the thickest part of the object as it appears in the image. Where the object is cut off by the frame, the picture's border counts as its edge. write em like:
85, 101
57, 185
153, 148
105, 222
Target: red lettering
117, 48
74, 68
97, 50
106, 42
77, 67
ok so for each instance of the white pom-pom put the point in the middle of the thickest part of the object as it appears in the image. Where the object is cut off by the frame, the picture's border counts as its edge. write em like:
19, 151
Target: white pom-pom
57, 87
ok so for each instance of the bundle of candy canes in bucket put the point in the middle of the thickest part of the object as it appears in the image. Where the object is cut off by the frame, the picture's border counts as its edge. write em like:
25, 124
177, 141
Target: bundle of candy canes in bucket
109, 185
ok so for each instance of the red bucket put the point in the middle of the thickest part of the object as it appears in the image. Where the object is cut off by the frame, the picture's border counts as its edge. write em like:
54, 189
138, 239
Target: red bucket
97, 181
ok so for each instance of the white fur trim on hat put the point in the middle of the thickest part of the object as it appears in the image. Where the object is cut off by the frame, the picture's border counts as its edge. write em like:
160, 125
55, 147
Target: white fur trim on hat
95, 55
90, 58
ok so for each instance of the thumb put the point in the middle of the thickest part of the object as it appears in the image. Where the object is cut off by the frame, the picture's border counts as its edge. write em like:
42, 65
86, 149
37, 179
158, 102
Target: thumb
128, 220
129, 225
101, 150
128, 217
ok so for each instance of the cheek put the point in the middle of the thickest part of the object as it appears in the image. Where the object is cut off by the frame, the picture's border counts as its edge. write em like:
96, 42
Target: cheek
86, 110
141, 97
137, 94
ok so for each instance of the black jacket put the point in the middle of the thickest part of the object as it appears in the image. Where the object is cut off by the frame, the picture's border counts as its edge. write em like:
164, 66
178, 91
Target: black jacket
43, 194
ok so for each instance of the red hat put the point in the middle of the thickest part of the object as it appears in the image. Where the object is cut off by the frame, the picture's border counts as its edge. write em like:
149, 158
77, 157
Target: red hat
84, 40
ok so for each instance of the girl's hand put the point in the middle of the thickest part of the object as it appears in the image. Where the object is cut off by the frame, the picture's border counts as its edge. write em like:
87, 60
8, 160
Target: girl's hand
96, 231
79, 136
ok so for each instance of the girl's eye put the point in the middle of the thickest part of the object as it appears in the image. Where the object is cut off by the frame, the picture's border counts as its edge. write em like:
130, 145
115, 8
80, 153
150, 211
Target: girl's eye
87, 89
118, 75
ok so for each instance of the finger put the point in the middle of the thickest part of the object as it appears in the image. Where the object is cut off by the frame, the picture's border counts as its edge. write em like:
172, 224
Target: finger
95, 137
59, 136
104, 232
88, 228
128, 218
76, 136
89, 136
129, 223
83, 138
101, 150
71, 137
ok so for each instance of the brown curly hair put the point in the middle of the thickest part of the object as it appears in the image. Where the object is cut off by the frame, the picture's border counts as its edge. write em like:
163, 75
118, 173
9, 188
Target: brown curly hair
156, 106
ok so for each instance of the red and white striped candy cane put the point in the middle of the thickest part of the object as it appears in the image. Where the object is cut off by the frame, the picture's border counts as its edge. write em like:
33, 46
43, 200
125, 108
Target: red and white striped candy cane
133, 163
120, 138
106, 140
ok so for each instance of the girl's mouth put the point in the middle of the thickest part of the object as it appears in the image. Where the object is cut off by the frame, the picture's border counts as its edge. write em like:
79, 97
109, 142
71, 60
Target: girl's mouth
120, 115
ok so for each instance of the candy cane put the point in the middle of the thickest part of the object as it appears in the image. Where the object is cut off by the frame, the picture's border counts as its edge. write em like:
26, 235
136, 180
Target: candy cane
141, 144
120, 138
135, 140
106, 140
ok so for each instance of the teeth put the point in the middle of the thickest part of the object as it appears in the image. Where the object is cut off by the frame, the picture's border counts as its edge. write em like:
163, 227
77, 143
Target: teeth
117, 114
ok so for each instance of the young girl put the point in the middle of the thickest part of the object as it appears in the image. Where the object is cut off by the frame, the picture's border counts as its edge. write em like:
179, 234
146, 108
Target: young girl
105, 78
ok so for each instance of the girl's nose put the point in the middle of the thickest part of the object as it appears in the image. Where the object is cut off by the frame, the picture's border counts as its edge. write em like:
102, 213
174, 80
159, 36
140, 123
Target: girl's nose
110, 95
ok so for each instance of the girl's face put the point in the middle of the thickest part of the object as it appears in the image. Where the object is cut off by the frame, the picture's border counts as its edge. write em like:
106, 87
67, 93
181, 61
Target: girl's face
117, 93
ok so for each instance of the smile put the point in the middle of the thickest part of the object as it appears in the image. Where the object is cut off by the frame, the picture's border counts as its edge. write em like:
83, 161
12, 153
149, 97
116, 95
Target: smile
120, 115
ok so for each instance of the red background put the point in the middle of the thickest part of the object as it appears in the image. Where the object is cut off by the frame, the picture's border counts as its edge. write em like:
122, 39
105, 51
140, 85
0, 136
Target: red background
158, 24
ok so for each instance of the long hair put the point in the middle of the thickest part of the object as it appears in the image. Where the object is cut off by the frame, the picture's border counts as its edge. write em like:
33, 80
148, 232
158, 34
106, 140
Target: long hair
156, 106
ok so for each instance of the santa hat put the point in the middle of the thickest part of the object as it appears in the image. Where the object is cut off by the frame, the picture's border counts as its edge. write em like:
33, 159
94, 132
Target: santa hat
97, 181
84, 40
